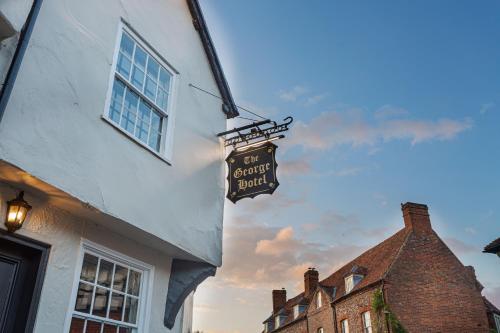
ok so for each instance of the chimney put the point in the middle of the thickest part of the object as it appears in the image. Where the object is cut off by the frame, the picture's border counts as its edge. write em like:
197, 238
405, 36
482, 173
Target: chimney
311, 278
279, 299
416, 217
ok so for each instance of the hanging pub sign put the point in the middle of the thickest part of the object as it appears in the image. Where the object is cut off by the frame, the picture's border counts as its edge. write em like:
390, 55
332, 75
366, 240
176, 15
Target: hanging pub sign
252, 172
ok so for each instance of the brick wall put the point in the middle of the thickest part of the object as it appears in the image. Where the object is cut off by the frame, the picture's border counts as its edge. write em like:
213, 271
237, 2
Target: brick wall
320, 317
351, 309
429, 290
300, 326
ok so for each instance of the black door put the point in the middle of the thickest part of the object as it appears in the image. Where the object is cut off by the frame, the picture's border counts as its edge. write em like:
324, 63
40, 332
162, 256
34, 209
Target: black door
22, 265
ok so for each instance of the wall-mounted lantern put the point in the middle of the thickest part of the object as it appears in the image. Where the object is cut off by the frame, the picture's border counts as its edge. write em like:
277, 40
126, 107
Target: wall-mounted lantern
17, 209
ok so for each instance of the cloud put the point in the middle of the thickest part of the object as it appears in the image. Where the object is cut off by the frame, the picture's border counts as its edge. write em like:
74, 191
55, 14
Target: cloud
460, 247
294, 167
389, 111
315, 99
331, 129
352, 171
486, 107
292, 94
262, 257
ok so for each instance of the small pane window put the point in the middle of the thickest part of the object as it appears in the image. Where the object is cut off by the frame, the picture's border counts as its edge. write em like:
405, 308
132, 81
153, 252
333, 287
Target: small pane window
139, 99
319, 300
320, 330
344, 325
108, 297
367, 323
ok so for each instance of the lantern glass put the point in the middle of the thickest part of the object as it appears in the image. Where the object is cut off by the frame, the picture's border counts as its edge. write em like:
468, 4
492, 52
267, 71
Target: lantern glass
17, 210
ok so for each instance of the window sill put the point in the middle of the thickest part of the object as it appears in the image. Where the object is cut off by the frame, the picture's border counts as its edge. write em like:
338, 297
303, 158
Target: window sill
134, 139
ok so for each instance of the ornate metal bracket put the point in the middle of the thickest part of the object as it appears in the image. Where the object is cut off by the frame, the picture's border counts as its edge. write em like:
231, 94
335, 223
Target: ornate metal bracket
249, 133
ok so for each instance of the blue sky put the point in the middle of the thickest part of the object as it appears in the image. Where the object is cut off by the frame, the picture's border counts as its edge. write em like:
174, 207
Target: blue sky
394, 101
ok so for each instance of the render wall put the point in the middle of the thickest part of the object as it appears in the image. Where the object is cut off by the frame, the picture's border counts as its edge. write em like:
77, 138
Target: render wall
429, 290
52, 126
64, 233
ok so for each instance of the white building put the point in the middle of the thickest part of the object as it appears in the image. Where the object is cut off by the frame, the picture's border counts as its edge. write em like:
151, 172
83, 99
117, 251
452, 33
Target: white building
119, 158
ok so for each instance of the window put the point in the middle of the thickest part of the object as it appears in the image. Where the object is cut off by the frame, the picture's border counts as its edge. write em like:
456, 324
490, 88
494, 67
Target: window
351, 281
297, 310
110, 295
344, 325
320, 330
140, 97
497, 321
367, 323
276, 322
319, 300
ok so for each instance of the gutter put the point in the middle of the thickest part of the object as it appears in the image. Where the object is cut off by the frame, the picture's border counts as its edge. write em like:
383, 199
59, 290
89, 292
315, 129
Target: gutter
22, 45
228, 106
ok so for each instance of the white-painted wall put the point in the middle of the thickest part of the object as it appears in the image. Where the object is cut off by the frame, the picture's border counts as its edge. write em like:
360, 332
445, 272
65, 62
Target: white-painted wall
52, 127
64, 232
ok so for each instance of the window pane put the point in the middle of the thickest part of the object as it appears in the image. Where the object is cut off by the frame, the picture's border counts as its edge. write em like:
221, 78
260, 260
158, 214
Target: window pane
116, 307
125, 330
162, 99
115, 108
124, 65
138, 78
150, 89
142, 128
120, 279
155, 132
127, 45
105, 273
153, 68
84, 297
131, 310
140, 57
76, 325
100, 302
110, 328
93, 327
89, 268
134, 283
165, 79
129, 111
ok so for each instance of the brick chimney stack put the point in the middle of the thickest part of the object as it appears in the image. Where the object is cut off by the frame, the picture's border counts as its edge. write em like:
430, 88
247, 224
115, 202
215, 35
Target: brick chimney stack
416, 217
311, 279
279, 299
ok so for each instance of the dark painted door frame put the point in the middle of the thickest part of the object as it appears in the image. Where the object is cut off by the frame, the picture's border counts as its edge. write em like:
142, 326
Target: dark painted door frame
44, 250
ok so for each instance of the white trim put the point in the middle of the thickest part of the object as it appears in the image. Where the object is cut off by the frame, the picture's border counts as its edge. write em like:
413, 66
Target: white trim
497, 321
167, 137
144, 311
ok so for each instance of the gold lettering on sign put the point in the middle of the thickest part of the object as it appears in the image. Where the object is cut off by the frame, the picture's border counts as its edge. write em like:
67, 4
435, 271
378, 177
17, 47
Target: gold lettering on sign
251, 168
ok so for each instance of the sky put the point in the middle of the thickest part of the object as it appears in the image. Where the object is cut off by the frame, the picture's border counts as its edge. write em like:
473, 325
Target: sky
393, 101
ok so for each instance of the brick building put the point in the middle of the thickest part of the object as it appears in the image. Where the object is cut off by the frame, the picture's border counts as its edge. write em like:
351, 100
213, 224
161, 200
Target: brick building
411, 282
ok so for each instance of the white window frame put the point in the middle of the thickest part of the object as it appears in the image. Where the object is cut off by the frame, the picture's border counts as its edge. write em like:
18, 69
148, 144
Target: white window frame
167, 135
497, 321
144, 308
296, 311
320, 330
277, 321
319, 300
344, 326
367, 322
349, 282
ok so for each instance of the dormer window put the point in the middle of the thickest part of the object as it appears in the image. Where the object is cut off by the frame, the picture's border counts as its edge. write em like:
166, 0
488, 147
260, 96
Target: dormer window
279, 321
297, 310
319, 300
351, 281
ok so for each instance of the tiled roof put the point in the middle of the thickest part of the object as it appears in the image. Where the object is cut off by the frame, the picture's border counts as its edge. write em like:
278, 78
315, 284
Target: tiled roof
373, 264
493, 247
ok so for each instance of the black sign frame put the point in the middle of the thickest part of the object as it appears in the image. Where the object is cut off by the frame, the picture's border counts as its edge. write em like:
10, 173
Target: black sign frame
260, 175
